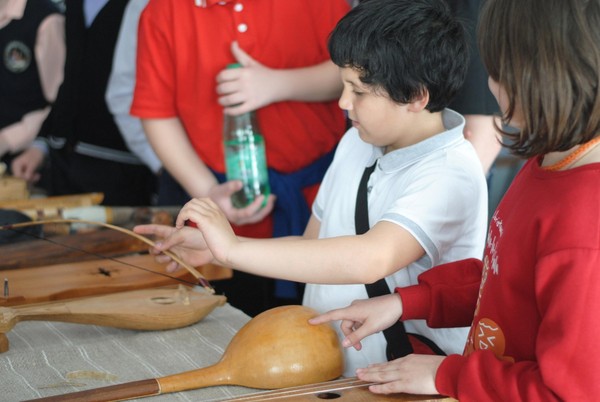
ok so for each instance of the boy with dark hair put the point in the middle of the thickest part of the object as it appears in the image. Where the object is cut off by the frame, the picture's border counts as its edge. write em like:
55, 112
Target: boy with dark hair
401, 62
422, 48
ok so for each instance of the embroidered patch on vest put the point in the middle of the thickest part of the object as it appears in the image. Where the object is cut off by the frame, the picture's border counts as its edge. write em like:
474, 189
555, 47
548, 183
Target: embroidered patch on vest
17, 56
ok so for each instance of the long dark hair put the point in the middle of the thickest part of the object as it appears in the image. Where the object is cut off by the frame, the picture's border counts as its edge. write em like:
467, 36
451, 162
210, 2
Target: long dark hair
546, 56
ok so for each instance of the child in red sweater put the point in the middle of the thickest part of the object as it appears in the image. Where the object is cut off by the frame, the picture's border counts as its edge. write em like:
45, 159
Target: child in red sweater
530, 302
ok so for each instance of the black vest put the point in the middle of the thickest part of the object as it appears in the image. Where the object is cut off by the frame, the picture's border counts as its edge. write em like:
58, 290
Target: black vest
474, 97
80, 113
20, 86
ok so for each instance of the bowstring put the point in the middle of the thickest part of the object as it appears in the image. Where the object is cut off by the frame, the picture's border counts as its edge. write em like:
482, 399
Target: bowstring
6, 226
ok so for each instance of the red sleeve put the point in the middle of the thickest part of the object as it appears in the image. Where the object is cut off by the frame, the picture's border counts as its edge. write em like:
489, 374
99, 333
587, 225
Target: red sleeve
326, 15
481, 376
445, 296
565, 364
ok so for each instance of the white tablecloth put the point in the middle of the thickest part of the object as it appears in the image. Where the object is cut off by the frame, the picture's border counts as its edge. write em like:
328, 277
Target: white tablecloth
46, 358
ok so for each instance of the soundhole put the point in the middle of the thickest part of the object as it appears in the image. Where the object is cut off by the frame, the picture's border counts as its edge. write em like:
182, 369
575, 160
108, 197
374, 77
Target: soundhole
328, 395
163, 300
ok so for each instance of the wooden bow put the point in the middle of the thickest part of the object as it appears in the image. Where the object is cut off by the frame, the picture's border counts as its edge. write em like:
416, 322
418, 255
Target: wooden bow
199, 277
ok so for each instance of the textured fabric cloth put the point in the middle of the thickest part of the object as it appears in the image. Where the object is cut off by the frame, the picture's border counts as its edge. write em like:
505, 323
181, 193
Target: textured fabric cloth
42, 356
533, 334
434, 189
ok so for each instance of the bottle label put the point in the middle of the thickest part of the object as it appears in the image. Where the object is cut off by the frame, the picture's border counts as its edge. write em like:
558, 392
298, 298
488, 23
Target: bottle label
246, 161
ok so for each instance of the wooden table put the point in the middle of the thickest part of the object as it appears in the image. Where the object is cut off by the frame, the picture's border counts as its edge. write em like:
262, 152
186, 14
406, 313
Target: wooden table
47, 358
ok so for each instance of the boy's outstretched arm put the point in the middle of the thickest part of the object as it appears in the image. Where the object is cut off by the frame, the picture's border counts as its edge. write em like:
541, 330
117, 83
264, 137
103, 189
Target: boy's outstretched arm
364, 317
355, 259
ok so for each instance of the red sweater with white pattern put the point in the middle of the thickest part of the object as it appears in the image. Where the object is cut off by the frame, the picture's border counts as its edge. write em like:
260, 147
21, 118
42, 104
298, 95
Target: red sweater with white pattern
532, 303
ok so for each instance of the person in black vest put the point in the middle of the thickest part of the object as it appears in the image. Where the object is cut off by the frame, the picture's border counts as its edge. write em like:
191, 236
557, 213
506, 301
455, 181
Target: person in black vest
32, 55
87, 152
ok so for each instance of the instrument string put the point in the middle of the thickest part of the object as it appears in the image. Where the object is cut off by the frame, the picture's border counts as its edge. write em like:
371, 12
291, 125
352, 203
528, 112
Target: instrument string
325, 390
13, 228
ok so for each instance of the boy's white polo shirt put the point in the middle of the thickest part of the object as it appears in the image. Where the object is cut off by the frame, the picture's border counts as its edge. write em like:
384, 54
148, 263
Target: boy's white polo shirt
435, 189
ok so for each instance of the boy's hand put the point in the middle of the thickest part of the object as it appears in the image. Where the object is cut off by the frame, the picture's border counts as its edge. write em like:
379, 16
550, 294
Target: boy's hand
187, 243
364, 317
413, 374
213, 224
254, 212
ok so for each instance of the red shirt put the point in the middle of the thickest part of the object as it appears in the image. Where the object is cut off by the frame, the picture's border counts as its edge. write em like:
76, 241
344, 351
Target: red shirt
182, 47
534, 331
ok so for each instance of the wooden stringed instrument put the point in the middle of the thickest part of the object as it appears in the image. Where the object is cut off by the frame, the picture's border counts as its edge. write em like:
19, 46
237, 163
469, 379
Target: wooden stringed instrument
342, 390
61, 249
144, 309
276, 349
92, 278
74, 275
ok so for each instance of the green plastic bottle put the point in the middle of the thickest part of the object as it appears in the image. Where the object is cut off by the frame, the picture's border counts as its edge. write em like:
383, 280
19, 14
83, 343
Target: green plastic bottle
245, 157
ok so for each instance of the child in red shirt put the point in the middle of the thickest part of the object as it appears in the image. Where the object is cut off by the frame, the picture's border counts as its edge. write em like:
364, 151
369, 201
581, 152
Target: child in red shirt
530, 302
183, 88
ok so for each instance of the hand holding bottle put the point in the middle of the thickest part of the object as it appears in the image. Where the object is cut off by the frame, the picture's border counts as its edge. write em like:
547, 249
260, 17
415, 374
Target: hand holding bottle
245, 157
245, 89
254, 212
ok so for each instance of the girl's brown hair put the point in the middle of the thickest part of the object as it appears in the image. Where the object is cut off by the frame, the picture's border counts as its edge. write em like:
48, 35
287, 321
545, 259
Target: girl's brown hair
546, 56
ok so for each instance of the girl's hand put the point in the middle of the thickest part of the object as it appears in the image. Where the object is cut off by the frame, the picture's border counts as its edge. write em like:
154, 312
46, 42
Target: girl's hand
413, 374
254, 212
364, 317
187, 243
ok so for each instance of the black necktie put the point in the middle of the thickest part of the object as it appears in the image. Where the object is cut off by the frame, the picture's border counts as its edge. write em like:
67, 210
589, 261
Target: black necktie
398, 344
